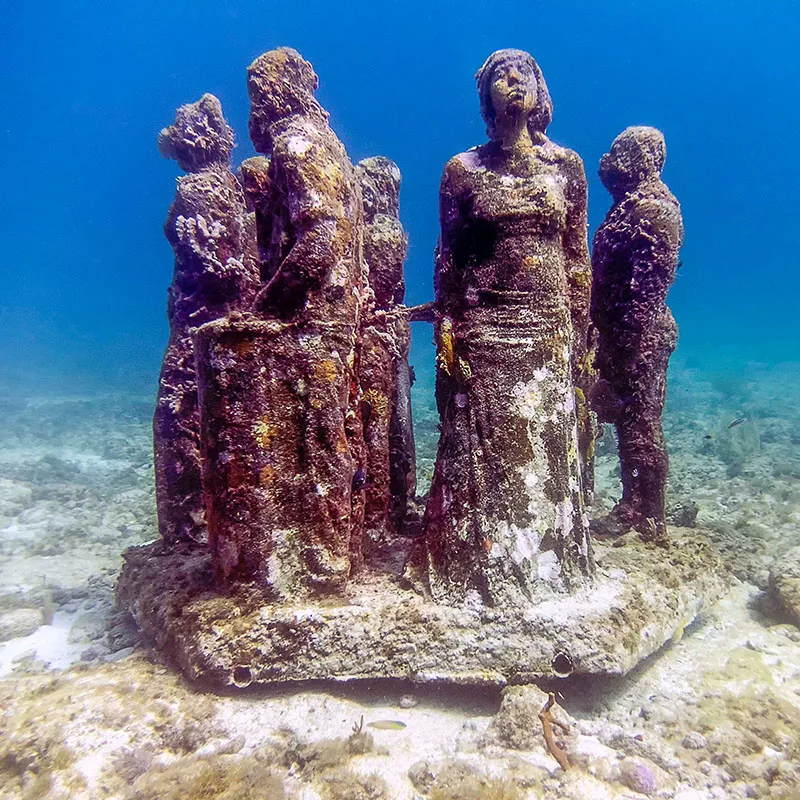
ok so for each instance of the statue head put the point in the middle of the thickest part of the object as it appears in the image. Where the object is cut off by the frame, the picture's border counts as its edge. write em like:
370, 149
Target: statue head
199, 137
499, 72
281, 84
637, 154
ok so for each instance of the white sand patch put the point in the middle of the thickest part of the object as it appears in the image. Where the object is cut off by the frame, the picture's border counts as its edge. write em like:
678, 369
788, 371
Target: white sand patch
48, 644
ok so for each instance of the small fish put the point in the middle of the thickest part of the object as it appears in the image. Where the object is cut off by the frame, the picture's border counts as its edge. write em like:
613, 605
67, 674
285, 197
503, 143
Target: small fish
737, 421
387, 725
359, 479
707, 436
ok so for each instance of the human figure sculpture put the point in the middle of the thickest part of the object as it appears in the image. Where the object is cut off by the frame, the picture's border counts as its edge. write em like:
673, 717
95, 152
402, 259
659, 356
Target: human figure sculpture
634, 258
283, 439
216, 270
384, 375
506, 507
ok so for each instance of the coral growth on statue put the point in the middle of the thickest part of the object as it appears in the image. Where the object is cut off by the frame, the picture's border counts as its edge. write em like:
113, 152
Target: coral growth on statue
634, 258
292, 545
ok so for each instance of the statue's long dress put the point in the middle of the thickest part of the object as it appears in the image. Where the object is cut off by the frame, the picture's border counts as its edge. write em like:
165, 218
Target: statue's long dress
506, 508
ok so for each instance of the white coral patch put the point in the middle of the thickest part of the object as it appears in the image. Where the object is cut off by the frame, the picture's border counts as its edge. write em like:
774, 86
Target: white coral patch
298, 145
564, 515
547, 566
521, 544
541, 373
528, 397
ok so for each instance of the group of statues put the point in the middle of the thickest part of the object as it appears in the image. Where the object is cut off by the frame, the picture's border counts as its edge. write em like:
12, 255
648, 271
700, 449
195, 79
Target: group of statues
283, 432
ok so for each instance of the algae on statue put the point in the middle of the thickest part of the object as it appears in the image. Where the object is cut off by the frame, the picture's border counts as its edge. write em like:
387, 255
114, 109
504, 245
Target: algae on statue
634, 258
282, 437
384, 374
215, 271
506, 507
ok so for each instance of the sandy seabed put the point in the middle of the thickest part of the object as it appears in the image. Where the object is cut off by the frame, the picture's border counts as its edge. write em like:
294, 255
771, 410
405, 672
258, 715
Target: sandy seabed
88, 712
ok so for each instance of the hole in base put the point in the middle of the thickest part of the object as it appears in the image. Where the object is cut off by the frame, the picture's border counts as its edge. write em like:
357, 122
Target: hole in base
562, 665
242, 676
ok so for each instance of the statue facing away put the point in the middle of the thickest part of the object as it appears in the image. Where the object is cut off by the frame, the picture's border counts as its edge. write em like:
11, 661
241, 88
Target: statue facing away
384, 375
512, 281
281, 432
634, 258
215, 271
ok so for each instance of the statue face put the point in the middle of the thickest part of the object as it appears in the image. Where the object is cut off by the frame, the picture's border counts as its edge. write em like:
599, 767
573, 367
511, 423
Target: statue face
616, 168
636, 154
513, 89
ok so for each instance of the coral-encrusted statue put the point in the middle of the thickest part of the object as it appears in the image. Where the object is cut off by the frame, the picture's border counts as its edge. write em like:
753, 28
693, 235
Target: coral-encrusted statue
215, 270
384, 372
634, 258
282, 435
506, 506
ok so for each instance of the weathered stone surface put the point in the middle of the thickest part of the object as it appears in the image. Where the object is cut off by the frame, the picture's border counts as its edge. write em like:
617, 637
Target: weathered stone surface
634, 258
277, 468
215, 271
640, 597
384, 380
19, 622
506, 506
282, 433
784, 583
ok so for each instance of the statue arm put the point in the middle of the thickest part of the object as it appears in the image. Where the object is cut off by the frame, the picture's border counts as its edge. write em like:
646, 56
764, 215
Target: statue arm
320, 235
447, 279
447, 267
655, 255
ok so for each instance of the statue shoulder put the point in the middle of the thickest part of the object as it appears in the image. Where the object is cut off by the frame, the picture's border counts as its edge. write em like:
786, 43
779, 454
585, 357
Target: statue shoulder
298, 143
661, 214
462, 165
570, 162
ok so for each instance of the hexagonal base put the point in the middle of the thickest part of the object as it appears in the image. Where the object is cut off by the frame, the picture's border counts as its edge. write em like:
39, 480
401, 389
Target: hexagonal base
640, 598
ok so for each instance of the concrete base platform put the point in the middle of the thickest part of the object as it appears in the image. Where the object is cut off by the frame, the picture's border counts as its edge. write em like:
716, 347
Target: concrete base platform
641, 597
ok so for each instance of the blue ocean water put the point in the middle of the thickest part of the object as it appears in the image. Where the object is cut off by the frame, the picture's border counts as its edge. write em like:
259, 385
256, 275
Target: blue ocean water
88, 84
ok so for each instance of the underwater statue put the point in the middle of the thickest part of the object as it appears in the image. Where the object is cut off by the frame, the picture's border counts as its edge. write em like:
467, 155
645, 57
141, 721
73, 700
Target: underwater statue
282, 437
384, 373
215, 270
634, 258
512, 281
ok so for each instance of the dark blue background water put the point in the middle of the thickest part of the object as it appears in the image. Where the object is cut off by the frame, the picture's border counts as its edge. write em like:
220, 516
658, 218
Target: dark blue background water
87, 85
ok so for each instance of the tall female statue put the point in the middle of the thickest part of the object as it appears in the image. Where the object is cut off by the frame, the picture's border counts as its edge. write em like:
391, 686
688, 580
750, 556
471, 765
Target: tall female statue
506, 507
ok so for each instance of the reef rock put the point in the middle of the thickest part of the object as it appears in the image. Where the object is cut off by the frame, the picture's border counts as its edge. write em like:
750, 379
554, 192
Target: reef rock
634, 258
784, 583
215, 272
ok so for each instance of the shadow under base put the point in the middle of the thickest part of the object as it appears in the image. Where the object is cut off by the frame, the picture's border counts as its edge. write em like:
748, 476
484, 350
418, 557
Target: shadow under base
641, 598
